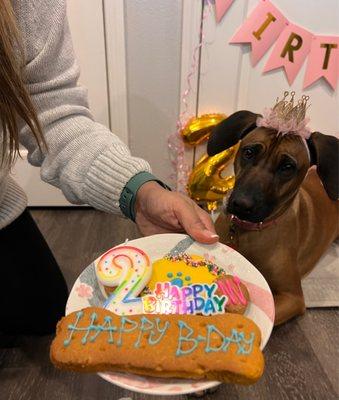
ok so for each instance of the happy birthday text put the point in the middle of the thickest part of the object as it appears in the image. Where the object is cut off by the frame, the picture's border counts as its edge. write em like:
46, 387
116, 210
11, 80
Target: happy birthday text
153, 332
194, 299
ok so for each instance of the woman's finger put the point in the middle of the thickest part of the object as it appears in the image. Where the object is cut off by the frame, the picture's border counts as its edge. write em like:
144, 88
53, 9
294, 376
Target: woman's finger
191, 221
206, 219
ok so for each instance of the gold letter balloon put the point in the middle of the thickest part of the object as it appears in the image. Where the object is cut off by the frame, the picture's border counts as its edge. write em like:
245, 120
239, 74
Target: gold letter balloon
206, 185
198, 129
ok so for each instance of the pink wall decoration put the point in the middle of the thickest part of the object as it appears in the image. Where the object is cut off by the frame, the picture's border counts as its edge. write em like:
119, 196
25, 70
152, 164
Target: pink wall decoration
261, 29
323, 61
266, 25
221, 7
290, 51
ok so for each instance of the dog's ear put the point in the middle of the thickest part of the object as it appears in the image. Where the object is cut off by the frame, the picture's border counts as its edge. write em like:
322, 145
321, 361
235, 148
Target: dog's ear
324, 151
229, 131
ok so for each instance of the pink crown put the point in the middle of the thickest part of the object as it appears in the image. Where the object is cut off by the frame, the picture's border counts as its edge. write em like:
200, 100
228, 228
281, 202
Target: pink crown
286, 117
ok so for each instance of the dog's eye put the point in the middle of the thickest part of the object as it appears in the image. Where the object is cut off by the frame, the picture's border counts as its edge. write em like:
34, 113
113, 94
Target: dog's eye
247, 153
287, 167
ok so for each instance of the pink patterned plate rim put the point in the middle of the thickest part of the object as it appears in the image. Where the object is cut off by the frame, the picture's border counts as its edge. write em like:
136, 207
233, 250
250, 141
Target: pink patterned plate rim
86, 292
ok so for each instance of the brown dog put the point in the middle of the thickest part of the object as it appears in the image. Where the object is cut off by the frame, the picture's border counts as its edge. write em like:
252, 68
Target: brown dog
281, 216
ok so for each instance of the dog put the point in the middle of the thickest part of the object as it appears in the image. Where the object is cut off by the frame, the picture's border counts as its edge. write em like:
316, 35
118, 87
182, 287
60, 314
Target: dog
282, 214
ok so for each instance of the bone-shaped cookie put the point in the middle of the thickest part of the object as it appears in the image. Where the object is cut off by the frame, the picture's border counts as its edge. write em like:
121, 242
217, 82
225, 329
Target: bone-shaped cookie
223, 347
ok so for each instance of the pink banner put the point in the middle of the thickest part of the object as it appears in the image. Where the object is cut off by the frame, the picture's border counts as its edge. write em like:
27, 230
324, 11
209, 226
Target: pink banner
290, 51
323, 61
261, 29
221, 6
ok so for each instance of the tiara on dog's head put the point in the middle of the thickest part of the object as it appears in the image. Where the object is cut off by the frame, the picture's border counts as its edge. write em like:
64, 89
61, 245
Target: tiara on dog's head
287, 117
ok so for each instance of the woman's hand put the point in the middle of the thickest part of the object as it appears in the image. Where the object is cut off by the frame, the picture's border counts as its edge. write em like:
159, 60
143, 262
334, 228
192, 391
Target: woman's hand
159, 210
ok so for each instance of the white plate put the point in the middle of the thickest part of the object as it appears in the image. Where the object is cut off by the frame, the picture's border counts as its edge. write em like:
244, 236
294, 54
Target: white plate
86, 293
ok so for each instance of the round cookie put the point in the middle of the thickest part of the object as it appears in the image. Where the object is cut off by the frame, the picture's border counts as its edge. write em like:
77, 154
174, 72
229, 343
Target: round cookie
237, 293
183, 270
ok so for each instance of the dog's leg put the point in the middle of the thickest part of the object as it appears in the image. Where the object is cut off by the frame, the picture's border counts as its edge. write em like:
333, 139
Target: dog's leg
279, 267
287, 306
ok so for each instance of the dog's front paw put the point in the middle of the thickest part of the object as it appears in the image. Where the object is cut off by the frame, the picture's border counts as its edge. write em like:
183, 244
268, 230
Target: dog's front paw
287, 306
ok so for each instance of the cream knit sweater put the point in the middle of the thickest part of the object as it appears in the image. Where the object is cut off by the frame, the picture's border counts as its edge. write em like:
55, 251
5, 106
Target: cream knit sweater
85, 160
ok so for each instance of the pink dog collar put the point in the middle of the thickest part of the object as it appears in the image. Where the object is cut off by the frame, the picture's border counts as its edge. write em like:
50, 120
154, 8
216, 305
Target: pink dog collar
252, 226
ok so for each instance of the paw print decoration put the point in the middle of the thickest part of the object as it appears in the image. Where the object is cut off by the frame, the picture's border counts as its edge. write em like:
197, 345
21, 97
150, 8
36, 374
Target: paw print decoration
179, 273
178, 279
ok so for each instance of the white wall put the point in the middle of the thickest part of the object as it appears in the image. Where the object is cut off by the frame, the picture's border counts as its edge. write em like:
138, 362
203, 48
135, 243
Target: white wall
153, 45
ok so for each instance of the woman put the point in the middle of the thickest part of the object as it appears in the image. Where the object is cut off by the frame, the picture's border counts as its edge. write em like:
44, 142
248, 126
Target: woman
42, 108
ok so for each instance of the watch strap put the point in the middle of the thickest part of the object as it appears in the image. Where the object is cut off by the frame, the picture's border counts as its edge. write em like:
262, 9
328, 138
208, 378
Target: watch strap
129, 193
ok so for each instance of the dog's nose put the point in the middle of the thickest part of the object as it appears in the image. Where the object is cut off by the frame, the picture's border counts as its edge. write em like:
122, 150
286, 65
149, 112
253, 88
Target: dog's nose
243, 205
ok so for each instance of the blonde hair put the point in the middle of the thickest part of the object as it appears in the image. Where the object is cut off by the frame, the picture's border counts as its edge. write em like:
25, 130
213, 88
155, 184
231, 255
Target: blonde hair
15, 102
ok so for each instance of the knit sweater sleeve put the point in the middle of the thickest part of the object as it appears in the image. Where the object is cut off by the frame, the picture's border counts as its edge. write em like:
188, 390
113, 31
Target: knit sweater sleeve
85, 160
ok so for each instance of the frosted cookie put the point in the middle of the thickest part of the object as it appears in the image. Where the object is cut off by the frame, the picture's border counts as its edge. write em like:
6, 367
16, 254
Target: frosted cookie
236, 292
223, 347
183, 270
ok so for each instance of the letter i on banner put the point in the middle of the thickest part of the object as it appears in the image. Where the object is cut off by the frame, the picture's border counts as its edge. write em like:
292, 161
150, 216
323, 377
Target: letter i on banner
261, 29
323, 61
290, 51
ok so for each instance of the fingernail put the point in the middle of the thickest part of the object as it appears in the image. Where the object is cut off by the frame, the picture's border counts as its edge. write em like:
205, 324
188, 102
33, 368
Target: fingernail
211, 234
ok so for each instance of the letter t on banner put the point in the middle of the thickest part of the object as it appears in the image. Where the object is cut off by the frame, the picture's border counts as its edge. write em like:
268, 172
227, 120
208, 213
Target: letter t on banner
261, 29
323, 61
290, 51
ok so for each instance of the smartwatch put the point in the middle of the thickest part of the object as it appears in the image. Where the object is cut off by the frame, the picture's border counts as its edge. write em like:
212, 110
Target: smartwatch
129, 193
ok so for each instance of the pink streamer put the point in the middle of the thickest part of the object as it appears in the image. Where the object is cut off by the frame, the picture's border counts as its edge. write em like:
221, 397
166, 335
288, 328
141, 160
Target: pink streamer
175, 143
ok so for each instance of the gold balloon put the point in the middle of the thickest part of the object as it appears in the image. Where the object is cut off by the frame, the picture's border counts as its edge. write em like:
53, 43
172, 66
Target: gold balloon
199, 129
205, 184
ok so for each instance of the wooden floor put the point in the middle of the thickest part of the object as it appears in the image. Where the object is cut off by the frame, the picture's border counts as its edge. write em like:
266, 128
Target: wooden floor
301, 357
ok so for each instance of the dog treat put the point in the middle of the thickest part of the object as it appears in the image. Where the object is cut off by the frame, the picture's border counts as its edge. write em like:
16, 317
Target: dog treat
236, 292
223, 347
193, 299
182, 270
127, 269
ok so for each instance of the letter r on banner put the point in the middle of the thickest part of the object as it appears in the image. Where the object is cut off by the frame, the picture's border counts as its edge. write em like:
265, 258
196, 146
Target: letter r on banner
290, 51
293, 44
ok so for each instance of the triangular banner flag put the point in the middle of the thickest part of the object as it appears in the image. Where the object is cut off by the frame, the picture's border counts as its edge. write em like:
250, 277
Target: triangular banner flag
221, 6
290, 51
261, 29
323, 61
